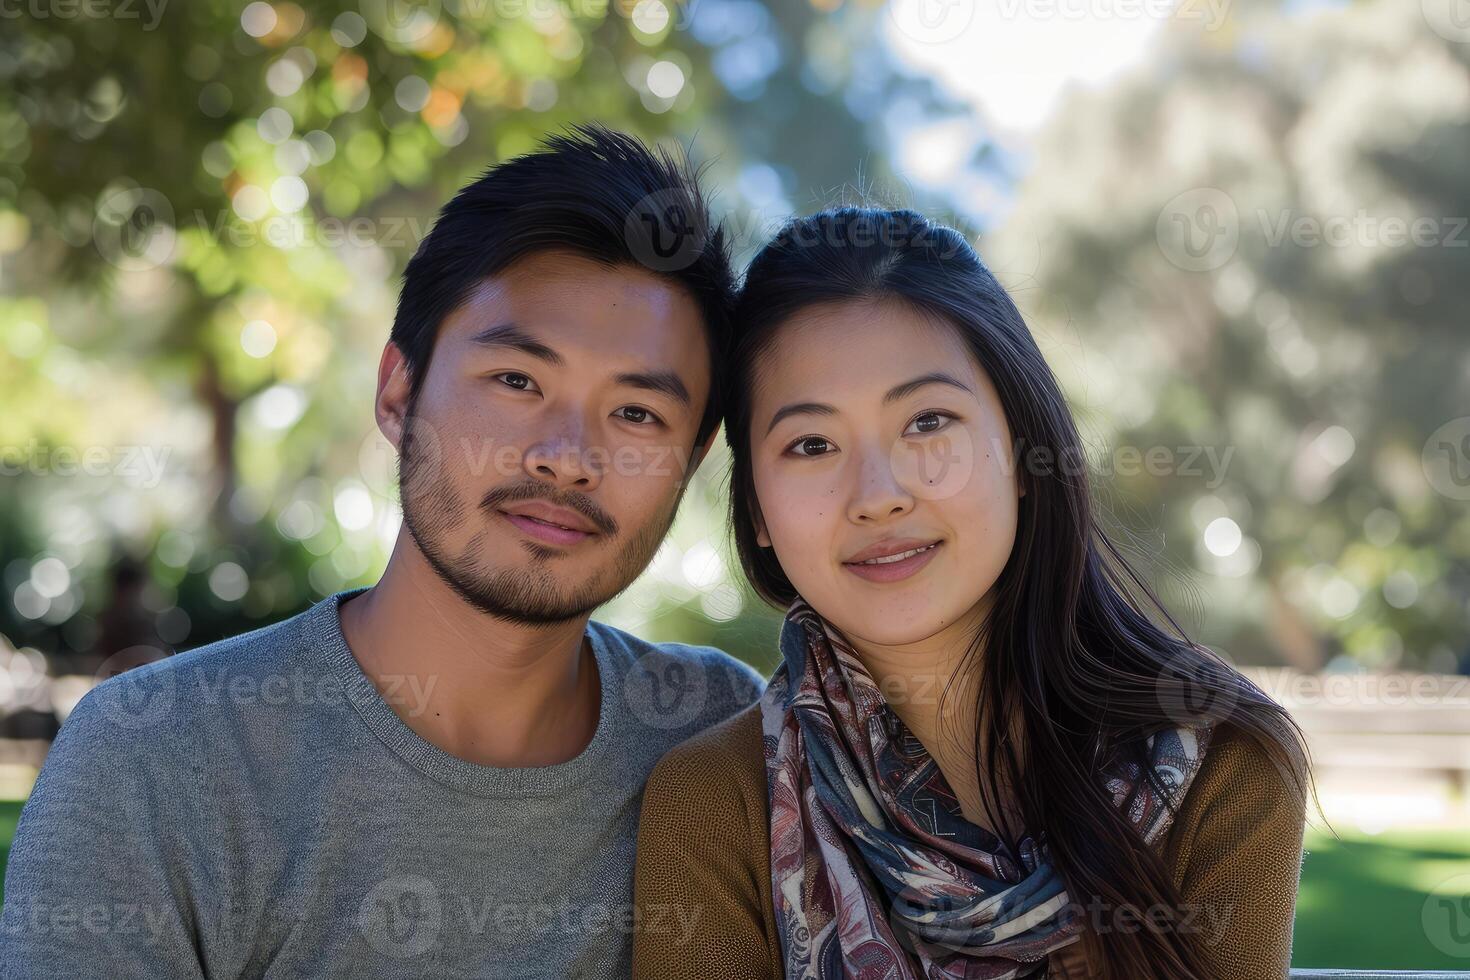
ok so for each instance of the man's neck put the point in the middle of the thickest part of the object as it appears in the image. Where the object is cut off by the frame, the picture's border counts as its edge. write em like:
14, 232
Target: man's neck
486, 690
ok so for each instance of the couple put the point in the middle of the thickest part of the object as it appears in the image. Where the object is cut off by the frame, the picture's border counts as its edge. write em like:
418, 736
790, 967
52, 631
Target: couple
979, 756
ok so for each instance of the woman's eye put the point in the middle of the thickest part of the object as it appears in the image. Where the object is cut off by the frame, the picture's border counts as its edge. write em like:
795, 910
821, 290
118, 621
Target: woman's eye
810, 446
636, 415
928, 422
516, 380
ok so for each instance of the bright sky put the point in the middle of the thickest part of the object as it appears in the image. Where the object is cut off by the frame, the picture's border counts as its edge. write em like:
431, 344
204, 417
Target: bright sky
1012, 58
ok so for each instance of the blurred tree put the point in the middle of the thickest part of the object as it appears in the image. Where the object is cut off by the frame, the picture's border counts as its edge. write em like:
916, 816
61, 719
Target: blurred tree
1268, 286
203, 209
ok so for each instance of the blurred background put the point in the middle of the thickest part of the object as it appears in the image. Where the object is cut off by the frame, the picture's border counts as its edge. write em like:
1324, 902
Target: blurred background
1237, 227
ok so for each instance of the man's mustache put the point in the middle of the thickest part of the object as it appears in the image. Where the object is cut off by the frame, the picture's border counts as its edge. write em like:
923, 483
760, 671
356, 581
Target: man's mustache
497, 497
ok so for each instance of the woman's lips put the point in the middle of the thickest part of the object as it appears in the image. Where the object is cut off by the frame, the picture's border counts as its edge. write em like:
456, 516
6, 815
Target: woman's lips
542, 531
894, 571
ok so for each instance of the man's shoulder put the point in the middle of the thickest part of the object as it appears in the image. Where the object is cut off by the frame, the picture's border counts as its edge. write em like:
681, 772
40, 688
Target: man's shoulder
632, 650
679, 688
183, 691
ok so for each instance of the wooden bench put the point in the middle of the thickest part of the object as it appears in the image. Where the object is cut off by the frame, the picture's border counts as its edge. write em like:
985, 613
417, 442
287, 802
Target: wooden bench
1378, 975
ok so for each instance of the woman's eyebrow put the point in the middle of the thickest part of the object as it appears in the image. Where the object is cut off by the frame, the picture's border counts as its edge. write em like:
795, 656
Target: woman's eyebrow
933, 378
894, 394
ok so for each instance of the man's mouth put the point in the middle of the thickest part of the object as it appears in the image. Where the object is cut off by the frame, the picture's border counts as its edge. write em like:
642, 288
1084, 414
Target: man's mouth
546, 531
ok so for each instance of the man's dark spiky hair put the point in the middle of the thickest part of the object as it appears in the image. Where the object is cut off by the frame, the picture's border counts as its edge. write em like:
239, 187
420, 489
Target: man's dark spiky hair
592, 191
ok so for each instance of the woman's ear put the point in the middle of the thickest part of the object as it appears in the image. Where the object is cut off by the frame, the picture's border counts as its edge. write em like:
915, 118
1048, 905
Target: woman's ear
761, 537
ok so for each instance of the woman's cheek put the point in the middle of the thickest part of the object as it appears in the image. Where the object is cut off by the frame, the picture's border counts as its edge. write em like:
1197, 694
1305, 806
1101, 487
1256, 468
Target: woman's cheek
937, 467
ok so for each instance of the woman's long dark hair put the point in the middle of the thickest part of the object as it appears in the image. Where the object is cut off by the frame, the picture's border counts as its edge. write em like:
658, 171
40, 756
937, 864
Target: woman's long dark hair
1073, 663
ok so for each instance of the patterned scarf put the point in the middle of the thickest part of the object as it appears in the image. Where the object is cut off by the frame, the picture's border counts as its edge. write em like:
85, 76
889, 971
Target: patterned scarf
875, 874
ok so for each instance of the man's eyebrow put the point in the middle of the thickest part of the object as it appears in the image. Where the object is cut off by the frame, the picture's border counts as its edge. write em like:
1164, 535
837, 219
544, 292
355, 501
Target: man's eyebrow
664, 382
509, 335
894, 394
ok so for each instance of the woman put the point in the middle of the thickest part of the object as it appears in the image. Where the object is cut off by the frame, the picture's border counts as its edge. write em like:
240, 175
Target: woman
980, 756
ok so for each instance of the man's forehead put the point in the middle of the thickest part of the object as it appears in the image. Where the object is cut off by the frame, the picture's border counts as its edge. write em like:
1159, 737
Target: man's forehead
548, 286
624, 317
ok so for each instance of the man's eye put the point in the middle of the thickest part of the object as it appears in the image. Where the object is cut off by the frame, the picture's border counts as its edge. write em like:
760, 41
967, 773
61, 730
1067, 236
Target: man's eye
636, 415
810, 446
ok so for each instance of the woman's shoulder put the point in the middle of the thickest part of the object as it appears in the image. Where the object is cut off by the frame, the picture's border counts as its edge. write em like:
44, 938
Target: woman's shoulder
722, 765
1241, 792
1238, 765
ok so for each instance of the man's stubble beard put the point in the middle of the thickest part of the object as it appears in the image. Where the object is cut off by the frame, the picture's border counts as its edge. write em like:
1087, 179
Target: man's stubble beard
528, 593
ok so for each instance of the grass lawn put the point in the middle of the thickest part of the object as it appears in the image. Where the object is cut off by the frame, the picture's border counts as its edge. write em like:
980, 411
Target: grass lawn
1361, 904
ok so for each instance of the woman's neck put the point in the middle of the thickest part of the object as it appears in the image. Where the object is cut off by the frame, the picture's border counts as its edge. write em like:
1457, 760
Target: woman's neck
933, 685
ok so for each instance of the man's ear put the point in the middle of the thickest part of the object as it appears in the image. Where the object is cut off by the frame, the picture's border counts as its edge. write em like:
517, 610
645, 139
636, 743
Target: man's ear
391, 405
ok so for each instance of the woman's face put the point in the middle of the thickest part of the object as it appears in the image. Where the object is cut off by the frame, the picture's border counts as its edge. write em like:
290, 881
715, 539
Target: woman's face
874, 434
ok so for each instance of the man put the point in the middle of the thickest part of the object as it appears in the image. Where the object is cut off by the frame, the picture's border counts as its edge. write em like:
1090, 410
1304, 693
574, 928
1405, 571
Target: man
438, 776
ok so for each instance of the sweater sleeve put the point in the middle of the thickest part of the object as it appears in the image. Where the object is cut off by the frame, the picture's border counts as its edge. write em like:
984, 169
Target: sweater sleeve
92, 888
699, 896
1238, 860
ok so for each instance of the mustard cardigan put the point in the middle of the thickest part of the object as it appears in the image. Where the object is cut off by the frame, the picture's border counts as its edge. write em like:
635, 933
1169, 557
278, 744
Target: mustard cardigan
702, 884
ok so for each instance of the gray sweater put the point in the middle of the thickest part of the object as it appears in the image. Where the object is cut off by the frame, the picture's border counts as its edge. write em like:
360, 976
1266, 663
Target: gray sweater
254, 808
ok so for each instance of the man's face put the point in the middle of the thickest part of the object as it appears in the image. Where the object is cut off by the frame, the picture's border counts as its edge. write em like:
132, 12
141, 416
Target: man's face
544, 456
